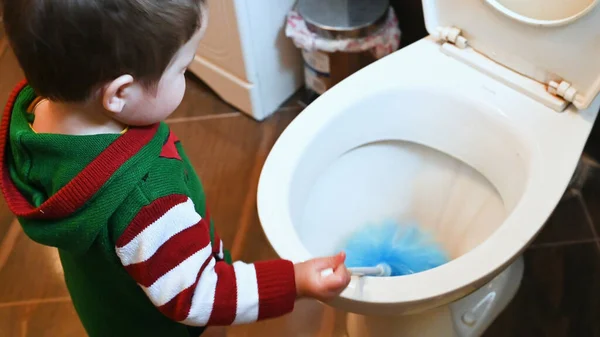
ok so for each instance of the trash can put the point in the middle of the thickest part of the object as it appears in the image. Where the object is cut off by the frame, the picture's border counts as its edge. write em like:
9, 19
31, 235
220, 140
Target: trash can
340, 37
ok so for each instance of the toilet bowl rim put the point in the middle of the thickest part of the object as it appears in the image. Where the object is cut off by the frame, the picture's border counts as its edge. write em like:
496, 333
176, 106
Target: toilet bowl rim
279, 224
479, 264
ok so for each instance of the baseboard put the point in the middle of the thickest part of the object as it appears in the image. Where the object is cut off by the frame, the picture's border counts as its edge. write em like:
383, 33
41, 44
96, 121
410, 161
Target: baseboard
231, 89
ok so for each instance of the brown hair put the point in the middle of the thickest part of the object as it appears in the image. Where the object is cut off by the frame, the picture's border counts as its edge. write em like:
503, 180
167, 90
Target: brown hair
69, 48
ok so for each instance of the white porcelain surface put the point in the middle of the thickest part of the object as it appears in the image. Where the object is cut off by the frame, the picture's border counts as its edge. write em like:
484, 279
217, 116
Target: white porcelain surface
524, 154
545, 10
473, 314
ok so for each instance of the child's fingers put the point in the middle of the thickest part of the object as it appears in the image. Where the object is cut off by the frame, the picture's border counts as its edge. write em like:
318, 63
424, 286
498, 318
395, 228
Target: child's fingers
343, 273
330, 262
338, 280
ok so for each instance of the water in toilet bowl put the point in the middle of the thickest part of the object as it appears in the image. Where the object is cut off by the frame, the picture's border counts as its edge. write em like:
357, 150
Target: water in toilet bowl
405, 248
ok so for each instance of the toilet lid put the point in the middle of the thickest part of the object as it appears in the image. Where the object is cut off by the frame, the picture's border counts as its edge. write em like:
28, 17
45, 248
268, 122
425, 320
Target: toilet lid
554, 42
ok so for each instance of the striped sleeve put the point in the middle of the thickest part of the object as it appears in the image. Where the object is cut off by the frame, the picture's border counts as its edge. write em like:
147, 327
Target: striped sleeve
167, 250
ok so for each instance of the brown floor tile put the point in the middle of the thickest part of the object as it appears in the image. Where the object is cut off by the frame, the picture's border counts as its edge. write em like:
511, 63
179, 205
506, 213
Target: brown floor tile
27, 270
200, 100
592, 147
6, 219
40, 320
228, 155
591, 196
297, 101
559, 295
31, 271
11, 74
568, 223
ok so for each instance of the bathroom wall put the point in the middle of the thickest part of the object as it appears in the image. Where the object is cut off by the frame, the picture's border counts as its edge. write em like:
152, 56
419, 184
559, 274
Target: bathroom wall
410, 16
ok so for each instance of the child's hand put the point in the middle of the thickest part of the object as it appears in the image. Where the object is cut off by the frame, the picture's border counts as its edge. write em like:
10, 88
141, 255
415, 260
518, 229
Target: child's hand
311, 283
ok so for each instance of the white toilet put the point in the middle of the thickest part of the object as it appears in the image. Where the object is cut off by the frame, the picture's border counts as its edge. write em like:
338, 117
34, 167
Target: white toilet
473, 132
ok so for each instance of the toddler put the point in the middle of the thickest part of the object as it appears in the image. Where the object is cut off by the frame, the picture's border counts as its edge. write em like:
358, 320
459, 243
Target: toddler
89, 167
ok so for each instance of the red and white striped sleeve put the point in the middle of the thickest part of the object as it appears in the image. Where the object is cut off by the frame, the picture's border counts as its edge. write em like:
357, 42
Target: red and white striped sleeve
167, 250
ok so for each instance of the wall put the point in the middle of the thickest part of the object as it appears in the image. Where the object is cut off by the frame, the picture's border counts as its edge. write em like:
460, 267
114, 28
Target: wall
410, 16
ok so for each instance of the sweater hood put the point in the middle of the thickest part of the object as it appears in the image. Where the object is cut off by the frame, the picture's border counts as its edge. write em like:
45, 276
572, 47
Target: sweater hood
64, 189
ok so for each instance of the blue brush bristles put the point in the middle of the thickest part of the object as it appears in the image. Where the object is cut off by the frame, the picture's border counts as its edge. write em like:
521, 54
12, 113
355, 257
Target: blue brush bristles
404, 247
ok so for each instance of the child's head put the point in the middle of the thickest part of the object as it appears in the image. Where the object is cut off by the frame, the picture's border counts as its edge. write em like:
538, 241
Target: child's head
127, 55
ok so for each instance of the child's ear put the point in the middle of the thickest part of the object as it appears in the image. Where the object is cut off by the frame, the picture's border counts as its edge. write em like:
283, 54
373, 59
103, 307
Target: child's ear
116, 93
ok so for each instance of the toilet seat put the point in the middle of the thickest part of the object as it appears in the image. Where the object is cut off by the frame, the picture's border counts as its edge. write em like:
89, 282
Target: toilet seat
532, 133
554, 53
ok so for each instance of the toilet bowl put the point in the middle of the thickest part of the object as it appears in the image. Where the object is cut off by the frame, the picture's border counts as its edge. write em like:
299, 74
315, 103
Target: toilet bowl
470, 132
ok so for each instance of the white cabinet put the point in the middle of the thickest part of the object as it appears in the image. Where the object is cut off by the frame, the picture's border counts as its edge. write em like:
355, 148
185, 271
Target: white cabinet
245, 56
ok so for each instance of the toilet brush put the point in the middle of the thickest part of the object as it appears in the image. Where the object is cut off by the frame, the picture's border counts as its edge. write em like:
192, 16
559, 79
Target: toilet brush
391, 249
382, 269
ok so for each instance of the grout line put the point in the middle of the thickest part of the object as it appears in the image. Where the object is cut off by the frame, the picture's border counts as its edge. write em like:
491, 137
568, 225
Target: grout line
63, 299
3, 46
590, 162
9, 241
288, 109
24, 328
562, 243
588, 218
25, 318
302, 104
202, 118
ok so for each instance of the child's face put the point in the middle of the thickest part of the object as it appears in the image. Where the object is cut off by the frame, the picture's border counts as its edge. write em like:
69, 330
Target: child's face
147, 106
130, 103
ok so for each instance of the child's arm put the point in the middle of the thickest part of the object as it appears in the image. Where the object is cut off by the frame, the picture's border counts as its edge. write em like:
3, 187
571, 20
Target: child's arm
167, 250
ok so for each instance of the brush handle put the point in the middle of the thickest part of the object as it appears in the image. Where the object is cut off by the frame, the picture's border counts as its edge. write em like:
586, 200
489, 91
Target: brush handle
367, 271
379, 270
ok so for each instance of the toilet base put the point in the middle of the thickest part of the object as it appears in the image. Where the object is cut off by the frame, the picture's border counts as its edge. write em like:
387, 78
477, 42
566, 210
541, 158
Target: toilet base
467, 317
432, 323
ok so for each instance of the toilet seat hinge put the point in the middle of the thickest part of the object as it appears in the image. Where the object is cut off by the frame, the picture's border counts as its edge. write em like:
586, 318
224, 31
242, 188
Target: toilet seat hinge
563, 90
452, 35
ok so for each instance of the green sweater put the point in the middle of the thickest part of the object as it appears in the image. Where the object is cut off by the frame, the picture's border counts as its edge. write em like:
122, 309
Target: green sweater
129, 218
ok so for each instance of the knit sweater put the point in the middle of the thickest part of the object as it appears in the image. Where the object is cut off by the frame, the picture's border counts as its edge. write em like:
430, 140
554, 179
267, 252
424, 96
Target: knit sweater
136, 241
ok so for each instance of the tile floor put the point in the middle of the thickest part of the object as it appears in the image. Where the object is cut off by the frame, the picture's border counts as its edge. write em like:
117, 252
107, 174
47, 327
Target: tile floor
559, 296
